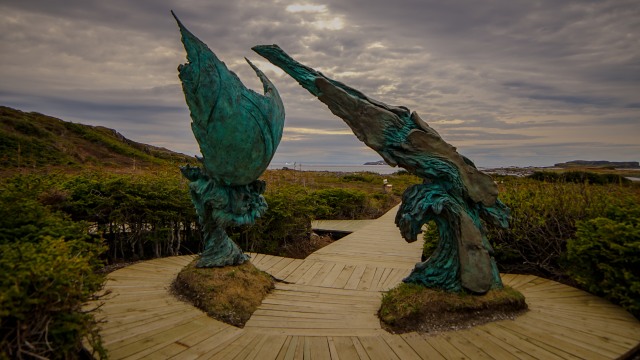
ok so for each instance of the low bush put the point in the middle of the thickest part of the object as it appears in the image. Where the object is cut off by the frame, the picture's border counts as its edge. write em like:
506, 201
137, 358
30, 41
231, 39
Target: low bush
544, 217
337, 203
43, 286
579, 177
286, 221
604, 256
47, 272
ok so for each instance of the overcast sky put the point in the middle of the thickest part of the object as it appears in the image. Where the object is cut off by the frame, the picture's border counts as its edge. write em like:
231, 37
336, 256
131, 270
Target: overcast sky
507, 82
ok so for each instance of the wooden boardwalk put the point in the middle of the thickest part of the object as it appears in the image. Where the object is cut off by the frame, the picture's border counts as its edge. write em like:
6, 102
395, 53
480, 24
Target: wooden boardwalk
326, 310
347, 226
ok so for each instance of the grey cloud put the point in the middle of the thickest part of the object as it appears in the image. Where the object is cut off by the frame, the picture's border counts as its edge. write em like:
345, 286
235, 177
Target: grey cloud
529, 69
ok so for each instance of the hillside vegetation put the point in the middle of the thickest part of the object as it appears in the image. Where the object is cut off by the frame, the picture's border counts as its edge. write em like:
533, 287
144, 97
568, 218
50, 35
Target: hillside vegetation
71, 200
33, 140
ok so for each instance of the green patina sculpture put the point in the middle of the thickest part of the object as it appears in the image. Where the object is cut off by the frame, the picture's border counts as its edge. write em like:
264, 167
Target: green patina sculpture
238, 131
454, 193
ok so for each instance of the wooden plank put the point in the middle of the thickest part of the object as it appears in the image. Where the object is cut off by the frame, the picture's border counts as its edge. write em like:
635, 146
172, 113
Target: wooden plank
495, 348
376, 279
265, 259
613, 330
287, 270
214, 343
319, 347
332, 275
422, 347
613, 316
338, 331
344, 276
597, 344
522, 343
444, 347
257, 259
367, 278
377, 349
383, 278
122, 338
166, 352
310, 274
306, 348
299, 353
300, 271
394, 278
362, 353
400, 347
465, 346
322, 274
280, 265
315, 324
212, 328
133, 319
235, 347
326, 291
284, 348
345, 348
276, 260
333, 352
250, 350
270, 347
154, 341
518, 281
291, 348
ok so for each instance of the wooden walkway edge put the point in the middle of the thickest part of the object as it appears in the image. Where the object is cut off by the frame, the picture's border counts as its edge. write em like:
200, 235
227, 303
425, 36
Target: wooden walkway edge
327, 310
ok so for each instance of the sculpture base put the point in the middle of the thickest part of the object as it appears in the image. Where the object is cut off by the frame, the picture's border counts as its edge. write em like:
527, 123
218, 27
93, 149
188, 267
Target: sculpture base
220, 250
462, 259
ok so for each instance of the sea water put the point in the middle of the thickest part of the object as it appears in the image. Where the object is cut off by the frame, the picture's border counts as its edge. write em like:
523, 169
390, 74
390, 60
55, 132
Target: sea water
379, 169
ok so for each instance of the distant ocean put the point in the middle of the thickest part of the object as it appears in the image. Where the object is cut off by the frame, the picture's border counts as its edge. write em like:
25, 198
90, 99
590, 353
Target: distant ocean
380, 169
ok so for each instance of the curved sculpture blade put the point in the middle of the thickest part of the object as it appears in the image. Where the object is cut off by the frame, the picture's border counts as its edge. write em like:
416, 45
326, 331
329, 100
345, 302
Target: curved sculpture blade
396, 133
237, 129
455, 194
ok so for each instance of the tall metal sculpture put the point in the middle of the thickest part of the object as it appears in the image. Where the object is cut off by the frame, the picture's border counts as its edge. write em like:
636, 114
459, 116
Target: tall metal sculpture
238, 131
455, 194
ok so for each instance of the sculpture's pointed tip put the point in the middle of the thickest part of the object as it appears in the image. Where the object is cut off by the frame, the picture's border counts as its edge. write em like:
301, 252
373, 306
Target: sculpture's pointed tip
250, 63
176, 17
180, 25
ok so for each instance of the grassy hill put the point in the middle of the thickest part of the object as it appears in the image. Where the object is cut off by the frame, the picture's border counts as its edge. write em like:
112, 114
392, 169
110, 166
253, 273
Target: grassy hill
33, 140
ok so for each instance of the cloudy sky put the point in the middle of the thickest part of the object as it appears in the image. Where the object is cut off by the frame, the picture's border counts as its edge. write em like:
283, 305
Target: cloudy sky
508, 82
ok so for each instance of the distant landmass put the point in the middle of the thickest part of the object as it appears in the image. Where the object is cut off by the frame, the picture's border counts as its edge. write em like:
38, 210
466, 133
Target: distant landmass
381, 162
600, 163
33, 140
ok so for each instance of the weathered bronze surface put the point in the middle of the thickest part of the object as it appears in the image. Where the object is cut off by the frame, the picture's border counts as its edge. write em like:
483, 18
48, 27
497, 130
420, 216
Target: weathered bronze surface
455, 194
238, 131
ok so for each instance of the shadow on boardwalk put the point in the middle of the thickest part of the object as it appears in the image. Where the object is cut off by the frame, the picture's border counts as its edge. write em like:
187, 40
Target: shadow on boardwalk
326, 310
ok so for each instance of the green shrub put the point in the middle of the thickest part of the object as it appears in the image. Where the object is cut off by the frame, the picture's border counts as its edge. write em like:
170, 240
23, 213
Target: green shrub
579, 177
43, 286
337, 203
44, 280
543, 218
286, 221
362, 177
23, 218
604, 257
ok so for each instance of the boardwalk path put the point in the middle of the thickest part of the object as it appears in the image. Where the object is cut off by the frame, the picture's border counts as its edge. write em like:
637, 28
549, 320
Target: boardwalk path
327, 311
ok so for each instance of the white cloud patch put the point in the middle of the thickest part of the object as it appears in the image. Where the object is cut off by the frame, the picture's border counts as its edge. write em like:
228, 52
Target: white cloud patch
306, 8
